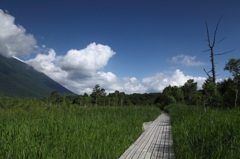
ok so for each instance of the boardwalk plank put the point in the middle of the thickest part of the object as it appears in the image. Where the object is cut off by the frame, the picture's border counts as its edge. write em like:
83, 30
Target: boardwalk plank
139, 144
148, 143
154, 143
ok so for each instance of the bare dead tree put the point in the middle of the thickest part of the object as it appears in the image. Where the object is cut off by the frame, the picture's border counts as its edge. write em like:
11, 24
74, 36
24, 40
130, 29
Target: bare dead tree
211, 45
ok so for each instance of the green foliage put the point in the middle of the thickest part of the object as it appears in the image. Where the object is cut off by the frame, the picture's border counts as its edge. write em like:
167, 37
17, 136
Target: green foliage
200, 134
175, 92
227, 90
211, 95
170, 99
34, 129
146, 99
98, 95
191, 95
116, 99
170, 95
55, 98
233, 66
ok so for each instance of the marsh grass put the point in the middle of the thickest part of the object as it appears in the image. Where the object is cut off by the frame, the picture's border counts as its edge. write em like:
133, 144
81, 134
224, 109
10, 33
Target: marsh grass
205, 134
33, 131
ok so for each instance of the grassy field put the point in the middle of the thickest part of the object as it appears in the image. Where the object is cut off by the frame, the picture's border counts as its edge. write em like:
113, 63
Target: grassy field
28, 131
205, 134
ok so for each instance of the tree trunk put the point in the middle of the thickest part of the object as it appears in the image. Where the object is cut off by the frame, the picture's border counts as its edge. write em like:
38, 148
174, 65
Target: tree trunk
236, 94
236, 98
213, 66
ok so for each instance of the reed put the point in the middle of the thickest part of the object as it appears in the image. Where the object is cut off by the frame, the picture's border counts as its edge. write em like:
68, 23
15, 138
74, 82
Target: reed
33, 130
205, 133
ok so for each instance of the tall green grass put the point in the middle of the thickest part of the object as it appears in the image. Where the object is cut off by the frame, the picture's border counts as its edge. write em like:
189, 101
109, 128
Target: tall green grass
33, 131
205, 134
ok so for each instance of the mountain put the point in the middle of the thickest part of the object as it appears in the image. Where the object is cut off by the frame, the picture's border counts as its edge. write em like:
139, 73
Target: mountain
19, 79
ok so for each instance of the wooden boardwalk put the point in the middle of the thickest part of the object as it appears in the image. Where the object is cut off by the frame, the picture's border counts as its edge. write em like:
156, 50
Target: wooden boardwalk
154, 143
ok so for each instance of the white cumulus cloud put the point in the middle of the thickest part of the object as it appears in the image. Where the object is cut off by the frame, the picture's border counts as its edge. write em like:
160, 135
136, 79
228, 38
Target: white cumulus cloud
13, 38
186, 60
159, 81
86, 61
133, 85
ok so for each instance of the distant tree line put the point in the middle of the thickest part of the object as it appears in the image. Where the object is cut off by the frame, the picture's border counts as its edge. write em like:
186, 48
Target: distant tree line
99, 97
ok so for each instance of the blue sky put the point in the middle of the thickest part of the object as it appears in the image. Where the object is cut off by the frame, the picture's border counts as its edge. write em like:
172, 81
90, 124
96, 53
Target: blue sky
144, 45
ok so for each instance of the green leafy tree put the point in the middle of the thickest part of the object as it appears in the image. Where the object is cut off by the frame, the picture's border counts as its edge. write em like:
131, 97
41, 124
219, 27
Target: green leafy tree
170, 95
98, 95
121, 98
227, 90
55, 98
86, 99
114, 98
175, 92
163, 100
191, 95
233, 66
211, 96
